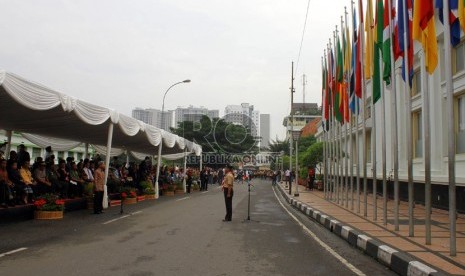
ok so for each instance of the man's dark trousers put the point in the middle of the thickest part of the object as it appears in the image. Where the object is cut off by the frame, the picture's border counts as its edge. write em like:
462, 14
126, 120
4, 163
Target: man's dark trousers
228, 202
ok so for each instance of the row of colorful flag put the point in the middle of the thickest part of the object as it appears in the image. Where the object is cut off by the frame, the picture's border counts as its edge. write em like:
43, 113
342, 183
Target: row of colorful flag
352, 59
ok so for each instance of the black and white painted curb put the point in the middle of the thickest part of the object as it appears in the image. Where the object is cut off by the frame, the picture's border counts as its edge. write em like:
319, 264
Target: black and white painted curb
397, 261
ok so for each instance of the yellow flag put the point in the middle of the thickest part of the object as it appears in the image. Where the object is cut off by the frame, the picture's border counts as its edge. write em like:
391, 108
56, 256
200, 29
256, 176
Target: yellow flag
424, 31
462, 14
369, 29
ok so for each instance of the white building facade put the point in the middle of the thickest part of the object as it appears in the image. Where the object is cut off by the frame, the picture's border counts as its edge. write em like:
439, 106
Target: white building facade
193, 114
153, 117
438, 129
245, 115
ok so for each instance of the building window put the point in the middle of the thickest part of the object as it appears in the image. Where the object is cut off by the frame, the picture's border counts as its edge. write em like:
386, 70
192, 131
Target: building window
70, 154
461, 124
368, 109
36, 152
416, 83
417, 125
61, 155
458, 58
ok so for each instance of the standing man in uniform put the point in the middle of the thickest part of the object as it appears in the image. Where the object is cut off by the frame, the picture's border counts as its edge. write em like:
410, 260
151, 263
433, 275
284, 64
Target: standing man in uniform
228, 192
99, 184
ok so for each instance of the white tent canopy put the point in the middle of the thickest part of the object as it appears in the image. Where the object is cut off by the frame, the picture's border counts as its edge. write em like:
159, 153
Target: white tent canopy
31, 108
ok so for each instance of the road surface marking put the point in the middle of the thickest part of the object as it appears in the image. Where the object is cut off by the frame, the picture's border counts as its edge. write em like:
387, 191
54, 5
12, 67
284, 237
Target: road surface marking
324, 245
125, 216
181, 199
205, 192
12, 252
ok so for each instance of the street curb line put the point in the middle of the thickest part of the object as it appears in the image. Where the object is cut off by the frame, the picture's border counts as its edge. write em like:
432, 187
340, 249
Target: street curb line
397, 261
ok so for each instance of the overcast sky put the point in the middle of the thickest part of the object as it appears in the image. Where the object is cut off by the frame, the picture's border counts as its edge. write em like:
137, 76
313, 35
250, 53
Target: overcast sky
125, 54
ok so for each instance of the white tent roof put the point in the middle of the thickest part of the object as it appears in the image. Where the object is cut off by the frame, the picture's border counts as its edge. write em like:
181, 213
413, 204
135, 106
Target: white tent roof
32, 108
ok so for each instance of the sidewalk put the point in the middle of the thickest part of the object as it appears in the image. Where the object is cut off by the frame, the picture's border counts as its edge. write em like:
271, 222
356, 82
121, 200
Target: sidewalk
382, 242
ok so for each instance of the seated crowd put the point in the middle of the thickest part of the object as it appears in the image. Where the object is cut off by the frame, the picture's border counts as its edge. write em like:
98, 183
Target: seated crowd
21, 182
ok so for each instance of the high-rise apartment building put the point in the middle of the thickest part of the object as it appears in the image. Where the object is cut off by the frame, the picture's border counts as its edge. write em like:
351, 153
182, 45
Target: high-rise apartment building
193, 114
153, 117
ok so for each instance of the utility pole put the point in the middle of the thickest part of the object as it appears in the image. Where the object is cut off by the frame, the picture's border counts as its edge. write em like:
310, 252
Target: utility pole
292, 129
304, 83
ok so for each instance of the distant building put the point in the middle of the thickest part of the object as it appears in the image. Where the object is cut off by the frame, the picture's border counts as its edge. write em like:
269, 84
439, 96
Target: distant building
193, 114
153, 117
306, 109
303, 114
265, 129
244, 115
311, 128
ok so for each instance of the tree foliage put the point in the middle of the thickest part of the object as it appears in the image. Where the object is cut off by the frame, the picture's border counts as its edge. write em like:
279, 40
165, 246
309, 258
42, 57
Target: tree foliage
217, 135
279, 145
312, 156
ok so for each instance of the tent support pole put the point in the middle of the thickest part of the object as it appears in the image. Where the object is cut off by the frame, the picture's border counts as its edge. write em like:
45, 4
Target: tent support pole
86, 156
185, 171
107, 164
9, 133
160, 146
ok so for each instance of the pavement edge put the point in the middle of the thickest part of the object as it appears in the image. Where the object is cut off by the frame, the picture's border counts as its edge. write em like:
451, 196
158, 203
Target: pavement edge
397, 261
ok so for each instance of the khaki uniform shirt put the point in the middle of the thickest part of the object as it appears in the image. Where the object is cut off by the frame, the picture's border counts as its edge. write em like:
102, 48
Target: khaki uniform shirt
99, 180
228, 181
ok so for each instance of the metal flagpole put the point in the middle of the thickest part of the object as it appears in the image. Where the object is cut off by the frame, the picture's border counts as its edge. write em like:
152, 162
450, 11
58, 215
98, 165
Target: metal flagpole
427, 149
383, 151
364, 157
408, 106
352, 157
342, 137
336, 132
323, 107
393, 128
357, 107
451, 131
394, 137
346, 107
373, 144
331, 133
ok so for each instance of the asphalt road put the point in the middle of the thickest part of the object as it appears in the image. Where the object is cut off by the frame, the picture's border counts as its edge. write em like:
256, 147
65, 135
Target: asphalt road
183, 235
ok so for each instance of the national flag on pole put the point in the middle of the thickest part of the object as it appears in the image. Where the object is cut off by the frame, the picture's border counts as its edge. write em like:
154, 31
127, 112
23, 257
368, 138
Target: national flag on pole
378, 47
339, 81
345, 91
424, 31
355, 61
386, 50
369, 29
406, 47
453, 19
359, 53
461, 13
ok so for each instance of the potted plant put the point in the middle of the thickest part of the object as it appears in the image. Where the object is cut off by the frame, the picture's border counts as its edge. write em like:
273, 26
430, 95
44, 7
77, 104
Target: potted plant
195, 186
49, 206
89, 195
170, 190
147, 190
319, 182
129, 196
179, 186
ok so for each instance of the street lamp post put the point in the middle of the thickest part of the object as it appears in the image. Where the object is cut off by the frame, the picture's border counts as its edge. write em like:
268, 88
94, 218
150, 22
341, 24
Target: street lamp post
295, 137
161, 140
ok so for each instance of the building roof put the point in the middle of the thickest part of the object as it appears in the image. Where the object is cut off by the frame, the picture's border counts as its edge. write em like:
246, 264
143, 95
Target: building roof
311, 128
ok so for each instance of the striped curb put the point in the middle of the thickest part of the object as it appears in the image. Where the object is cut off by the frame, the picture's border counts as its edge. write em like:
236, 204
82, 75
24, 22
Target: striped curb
397, 261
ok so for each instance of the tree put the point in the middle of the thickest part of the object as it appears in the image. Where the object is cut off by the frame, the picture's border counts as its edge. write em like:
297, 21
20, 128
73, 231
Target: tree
312, 156
279, 145
218, 136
